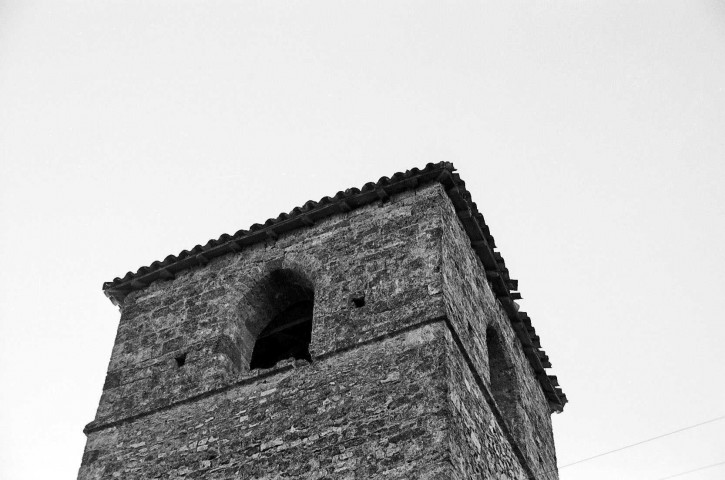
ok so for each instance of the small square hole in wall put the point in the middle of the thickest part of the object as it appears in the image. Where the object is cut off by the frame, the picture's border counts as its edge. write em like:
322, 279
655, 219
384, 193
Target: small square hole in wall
181, 360
358, 301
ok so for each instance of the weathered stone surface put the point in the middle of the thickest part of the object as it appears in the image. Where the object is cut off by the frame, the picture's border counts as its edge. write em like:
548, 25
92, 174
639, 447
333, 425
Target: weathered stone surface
398, 387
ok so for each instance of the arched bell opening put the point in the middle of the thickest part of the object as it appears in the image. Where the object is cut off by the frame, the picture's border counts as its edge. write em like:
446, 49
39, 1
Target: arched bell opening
288, 335
284, 323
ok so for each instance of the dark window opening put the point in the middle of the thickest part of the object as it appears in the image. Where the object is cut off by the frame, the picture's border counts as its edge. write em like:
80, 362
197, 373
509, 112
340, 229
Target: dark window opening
358, 301
501, 374
505, 385
288, 335
181, 360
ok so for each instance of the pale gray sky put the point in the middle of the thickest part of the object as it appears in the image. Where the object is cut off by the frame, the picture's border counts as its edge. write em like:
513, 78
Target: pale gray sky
590, 133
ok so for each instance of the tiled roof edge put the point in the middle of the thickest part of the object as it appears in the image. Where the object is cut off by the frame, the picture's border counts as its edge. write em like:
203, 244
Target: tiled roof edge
443, 172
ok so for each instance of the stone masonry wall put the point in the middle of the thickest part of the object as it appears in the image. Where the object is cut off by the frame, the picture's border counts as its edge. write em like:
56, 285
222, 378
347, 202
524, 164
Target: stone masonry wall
397, 387
387, 253
377, 411
471, 308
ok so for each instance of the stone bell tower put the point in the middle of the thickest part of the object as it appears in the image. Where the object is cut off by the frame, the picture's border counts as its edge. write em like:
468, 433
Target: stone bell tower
373, 334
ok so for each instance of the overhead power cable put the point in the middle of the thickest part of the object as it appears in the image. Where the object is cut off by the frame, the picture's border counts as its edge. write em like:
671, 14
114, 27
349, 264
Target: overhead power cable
644, 441
689, 427
693, 470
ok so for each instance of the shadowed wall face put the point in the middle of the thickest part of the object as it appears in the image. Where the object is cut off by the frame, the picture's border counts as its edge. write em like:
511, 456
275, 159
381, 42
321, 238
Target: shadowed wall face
510, 425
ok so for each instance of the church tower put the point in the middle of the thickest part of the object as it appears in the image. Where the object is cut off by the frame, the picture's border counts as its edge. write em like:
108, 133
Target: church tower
370, 335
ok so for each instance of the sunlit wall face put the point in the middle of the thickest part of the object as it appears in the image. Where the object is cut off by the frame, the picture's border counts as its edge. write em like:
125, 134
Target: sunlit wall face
589, 133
